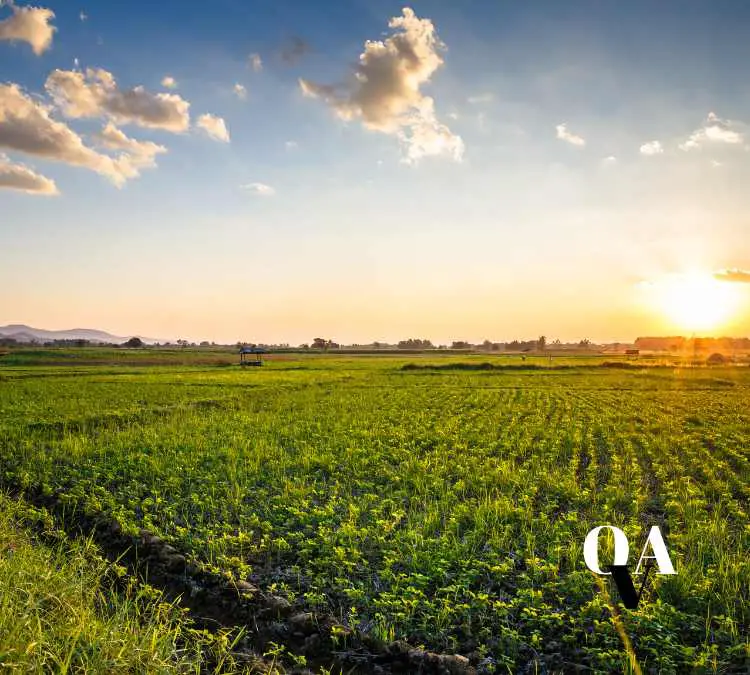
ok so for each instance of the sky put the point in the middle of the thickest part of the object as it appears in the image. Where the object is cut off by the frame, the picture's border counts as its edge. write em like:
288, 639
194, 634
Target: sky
267, 171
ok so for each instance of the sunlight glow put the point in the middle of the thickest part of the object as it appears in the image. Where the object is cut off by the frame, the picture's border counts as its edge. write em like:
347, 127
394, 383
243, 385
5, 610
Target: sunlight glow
695, 301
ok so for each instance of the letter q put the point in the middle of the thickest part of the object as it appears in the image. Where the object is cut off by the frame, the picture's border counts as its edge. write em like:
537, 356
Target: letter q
591, 548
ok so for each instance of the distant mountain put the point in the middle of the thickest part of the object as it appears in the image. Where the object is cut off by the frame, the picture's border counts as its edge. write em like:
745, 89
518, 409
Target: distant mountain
23, 333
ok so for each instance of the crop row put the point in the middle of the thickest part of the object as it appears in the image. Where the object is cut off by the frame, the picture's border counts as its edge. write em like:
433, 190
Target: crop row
445, 508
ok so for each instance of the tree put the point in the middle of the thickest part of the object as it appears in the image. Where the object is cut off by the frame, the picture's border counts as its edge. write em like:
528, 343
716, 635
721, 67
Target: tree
585, 343
134, 343
415, 343
541, 343
319, 343
716, 359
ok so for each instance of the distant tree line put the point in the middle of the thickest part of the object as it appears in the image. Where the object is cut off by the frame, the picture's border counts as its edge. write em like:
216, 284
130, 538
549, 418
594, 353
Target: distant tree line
540, 345
698, 344
414, 344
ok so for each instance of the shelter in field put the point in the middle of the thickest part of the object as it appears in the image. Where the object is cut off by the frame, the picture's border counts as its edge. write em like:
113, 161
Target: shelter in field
251, 356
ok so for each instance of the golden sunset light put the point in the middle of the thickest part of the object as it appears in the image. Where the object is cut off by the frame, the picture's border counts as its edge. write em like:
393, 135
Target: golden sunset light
367, 337
695, 301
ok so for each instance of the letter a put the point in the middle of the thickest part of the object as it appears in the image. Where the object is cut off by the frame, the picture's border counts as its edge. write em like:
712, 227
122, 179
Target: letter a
591, 548
660, 552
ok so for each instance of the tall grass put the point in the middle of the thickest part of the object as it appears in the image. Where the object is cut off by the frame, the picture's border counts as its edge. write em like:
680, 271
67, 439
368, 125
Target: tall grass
59, 612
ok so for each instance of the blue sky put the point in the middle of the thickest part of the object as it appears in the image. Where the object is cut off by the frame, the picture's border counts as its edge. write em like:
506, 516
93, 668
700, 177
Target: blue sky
578, 159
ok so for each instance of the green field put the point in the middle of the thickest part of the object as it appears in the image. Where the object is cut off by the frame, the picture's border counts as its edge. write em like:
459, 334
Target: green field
446, 507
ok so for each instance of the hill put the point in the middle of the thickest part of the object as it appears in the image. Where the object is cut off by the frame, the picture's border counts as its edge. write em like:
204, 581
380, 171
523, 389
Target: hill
23, 333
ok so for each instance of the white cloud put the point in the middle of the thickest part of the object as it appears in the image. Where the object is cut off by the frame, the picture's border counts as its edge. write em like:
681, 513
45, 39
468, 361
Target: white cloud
609, 161
291, 145
22, 178
255, 62
385, 90
26, 126
30, 25
141, 154
715, 164
83, 16
240, 91
564, 135
214, 126
260, 189
95, 94
714, 130
169, 82
651, 148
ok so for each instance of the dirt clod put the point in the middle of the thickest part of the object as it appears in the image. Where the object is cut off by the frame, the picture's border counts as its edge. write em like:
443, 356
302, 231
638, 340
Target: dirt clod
278, 604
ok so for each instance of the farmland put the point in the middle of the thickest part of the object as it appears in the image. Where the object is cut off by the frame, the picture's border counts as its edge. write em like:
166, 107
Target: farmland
444, 507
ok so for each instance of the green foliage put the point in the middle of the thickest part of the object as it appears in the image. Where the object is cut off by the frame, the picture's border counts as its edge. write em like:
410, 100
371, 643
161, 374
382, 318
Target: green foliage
447, 507
59, 612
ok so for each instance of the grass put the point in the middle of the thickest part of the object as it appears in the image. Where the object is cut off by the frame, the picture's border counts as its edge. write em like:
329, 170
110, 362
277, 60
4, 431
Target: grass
445, 506
60, 611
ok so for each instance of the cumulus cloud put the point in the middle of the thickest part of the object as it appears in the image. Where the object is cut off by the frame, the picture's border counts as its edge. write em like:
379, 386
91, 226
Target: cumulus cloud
564, 135
736, 276
260, 189
291, 145
385, 91
609, 161
651, 148
26, 126
22, 178
94, 93
30, 25
169, 82
240, 91
714, 130
140, 154
214, 126
255, 62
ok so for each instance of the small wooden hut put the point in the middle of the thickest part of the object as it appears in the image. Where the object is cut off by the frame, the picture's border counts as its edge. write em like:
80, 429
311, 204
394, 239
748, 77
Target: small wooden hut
251, 356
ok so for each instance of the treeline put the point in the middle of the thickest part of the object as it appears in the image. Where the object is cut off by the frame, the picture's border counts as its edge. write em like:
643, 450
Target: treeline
319, 344
698, 344
423, 344
77, 343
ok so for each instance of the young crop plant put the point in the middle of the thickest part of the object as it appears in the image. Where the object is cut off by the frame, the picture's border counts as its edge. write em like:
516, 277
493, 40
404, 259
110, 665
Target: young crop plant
442, 507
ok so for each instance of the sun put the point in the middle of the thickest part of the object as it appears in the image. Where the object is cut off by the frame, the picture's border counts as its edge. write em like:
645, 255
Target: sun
696, 301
